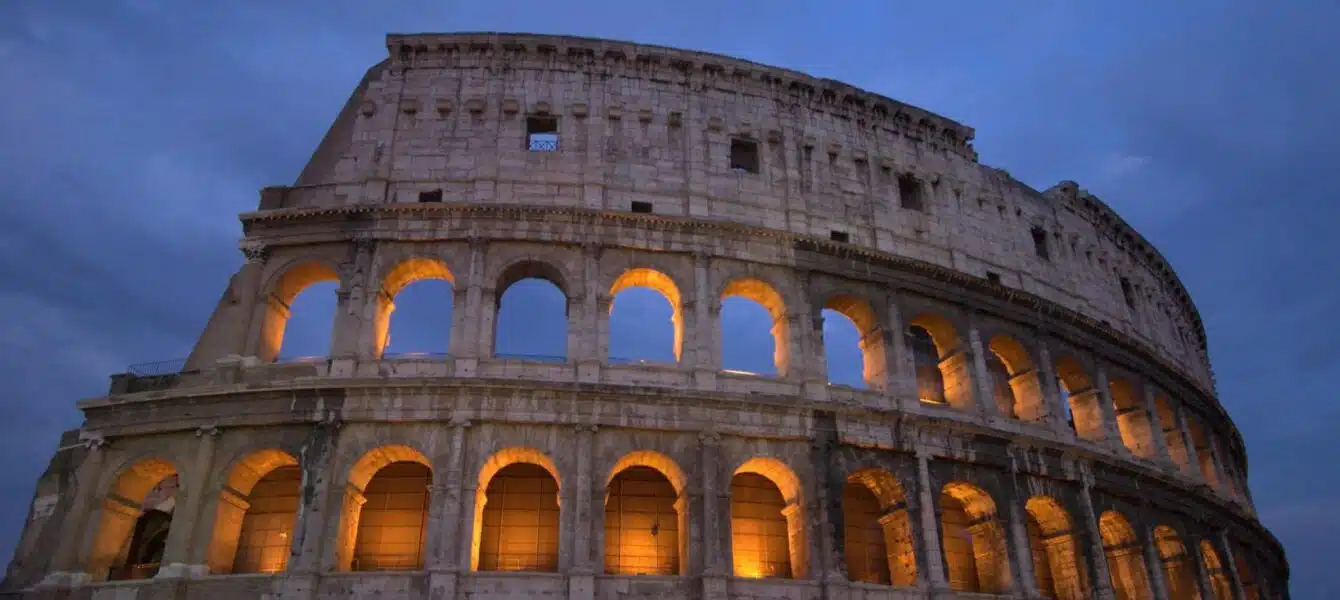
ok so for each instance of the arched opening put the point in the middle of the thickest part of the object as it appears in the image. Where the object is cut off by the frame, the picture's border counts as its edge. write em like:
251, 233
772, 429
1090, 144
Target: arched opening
532, 314
1246, 576
646, 318
641, 524
1086, 410
852, 336
767, 527
878, 532
747, 307
517, 513
258, 509
420, 293
134, 522
1057, 570
385, 511
1214, 569
1178, 571
944, 369
1132, 419
299, 314
1172, 435
975, 555
1017, 389
1204, 452
1125, 561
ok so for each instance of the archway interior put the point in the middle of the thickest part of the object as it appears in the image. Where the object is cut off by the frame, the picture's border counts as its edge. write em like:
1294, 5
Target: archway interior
973, 543
414, 309
759, 532
265, 539
754, 320
301, 323
1125, 561
842, 350
644, 326
1083, 400
1172, 433
642, 535
1132, 419
1220, 585
1178, 572
926, 362
1001, 392
1015, 380
531, 315
1057, 567
393, 521
519, 528
134, 522
877, 530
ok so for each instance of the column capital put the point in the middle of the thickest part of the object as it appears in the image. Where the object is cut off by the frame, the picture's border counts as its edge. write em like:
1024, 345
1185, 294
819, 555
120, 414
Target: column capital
255, 251
212, 430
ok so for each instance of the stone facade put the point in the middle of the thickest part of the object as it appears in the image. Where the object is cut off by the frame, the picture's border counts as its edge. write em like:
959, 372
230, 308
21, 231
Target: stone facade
1037, 418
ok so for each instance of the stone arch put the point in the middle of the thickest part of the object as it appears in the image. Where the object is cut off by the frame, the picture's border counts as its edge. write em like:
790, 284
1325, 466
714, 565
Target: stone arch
119, 525
1204, 451
874, 362
1251, 590
1125, 558
767, 296
646, 516
252, 532
1179, 572
660, 282
1016, 380
1084, 400
976, 557
878, 529
396, 279
542, 270
1172, 434
943, 367
768, 536
1057, 566
365, 540
1132, 418
1214, 570
530, 476
282, 288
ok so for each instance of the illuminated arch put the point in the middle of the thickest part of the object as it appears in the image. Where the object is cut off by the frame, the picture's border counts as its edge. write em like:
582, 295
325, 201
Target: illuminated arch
253, 527
1056, 567
1132, 419
973, 540
1086, 409
878, 529
1125, 559
1018, 380
944, 369
874, 364
396, 280
766, 295
1214, 569
660, 282
538, 481
646, 516
119, 525
279, 298
1178, 571
768, 537
365, 541
1172, 434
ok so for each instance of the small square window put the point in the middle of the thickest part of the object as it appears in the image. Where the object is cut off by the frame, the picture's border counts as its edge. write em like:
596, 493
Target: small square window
641, 207
993, 277
541, 134
909, 193
839, 236
430, 196
1127, 292
1040, 243
743, 155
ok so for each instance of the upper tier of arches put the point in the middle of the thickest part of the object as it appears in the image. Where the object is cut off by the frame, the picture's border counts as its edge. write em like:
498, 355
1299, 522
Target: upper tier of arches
858, 168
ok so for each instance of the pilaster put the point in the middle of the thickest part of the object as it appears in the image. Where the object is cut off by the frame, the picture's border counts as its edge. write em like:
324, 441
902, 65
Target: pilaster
179, 557
929, 529
1100, 576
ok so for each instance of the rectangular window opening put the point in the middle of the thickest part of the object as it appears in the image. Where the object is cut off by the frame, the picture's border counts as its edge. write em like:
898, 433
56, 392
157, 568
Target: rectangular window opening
993, 277
839, 236
1040, 244
641, 207
1127, 292
541, 134
743, 155
430, 196
909, 193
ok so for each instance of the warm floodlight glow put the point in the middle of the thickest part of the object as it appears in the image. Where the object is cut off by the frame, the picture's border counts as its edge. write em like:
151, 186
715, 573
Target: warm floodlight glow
739, 372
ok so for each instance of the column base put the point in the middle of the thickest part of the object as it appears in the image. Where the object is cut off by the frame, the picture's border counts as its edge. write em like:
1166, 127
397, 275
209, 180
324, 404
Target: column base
705, 379
442, 585
343, 367
581, 587
714, 587
466, 366
182, 571
63, 579
588, 371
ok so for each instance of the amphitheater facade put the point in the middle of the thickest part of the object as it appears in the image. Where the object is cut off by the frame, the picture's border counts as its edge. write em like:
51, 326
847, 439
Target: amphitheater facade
1037, 420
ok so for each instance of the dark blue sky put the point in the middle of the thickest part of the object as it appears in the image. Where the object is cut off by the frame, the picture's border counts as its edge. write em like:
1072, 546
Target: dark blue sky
133, 131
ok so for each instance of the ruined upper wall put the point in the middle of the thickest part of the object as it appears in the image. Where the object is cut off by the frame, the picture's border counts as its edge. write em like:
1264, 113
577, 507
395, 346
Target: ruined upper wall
654, 125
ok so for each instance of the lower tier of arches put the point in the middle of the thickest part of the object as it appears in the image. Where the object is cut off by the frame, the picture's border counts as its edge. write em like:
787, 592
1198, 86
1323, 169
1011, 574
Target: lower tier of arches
493, 508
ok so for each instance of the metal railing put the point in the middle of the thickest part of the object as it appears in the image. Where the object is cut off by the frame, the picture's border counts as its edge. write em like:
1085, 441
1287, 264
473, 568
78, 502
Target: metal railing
162, 367
545, 358
177, 365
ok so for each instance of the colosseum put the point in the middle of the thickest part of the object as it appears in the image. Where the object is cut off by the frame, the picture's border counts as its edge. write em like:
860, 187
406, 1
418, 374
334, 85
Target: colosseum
1037, 416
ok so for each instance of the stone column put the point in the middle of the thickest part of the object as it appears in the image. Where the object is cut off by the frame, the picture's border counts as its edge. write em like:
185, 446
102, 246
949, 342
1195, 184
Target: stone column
1111, 433
1051, 393
1021, 559
178, 558
1101, 577
444, 517
587, 344
1216, 457
69, 558
1202, 573
929, 529
1161, 452
714, 520
981, 378
582, 560
809, 362
706, 326
1154, 566
1192, 453
902, 367
315, 508
357, 296
1230, 564
467, 340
